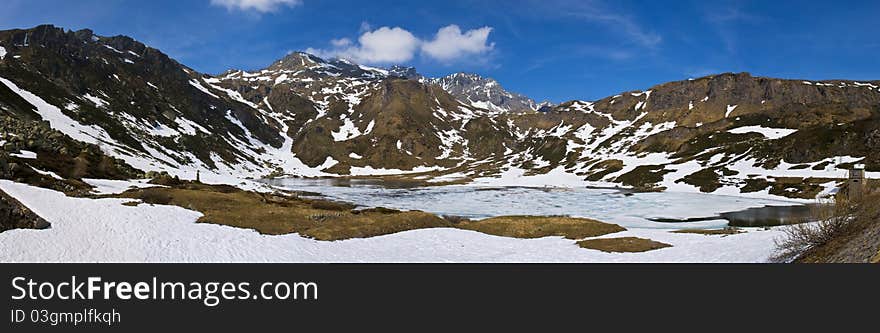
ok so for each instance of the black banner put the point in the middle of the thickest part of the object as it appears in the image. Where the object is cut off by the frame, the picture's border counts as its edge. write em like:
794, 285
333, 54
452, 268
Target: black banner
332, 297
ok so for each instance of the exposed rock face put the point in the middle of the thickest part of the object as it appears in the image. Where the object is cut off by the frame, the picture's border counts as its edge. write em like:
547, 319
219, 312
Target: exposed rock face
716, 121
364, 117
58, 162
484, 93
404, 72
14, 215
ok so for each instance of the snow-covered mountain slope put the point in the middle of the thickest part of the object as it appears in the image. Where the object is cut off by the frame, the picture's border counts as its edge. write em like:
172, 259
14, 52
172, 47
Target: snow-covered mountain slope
352, 119
134, 103
306, 116
729, 133
485, 93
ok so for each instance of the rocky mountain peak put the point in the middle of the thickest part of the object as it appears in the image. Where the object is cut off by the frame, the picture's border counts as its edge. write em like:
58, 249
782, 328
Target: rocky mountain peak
404, 72
296, 61
484, 93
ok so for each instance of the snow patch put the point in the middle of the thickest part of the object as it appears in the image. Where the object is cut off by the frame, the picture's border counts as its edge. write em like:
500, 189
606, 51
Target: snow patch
106, 186
99, 102
730, 109
26, 154
199, 86
770, 133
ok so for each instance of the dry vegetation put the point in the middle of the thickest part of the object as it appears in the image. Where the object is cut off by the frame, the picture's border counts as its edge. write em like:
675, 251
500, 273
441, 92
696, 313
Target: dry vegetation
623, 244
276, 214
285, 213
846, 230
541, 226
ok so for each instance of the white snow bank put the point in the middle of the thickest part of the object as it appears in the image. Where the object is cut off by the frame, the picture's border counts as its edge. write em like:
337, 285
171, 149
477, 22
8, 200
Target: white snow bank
103, 230
371, 171
106, 186
557, 177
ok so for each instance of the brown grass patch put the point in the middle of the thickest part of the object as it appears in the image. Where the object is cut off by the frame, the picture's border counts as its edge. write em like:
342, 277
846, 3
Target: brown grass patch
541, 226
275, 215
623, 244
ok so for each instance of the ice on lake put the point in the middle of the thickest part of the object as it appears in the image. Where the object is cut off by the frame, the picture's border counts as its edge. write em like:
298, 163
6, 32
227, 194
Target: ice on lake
631, 210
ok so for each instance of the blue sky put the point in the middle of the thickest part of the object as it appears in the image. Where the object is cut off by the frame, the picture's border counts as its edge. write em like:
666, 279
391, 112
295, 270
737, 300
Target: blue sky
547, 49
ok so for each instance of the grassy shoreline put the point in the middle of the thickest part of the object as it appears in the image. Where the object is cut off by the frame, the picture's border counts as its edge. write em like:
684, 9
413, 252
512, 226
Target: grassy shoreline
289, 212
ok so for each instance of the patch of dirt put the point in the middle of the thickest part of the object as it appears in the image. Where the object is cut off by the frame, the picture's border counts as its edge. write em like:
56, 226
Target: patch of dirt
622, 244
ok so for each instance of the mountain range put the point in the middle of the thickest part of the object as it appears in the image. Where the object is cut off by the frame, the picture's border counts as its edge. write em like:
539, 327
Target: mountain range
74, 104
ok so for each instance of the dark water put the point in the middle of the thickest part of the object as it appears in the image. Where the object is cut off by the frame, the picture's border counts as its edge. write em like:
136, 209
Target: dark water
766, 216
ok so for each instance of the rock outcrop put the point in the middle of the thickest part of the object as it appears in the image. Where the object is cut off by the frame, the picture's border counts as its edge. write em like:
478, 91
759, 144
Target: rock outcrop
14, 215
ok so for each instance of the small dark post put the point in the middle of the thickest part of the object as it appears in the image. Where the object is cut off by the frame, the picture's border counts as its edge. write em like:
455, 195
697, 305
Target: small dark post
198, 177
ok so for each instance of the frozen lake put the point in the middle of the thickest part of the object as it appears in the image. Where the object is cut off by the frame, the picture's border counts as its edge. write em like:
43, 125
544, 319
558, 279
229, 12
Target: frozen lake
631, 210
107, 230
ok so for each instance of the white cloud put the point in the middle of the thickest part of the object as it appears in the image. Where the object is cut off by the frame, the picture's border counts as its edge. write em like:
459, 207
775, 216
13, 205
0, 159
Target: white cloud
396, 45
450, 44
342, 42
383, 45
263, 6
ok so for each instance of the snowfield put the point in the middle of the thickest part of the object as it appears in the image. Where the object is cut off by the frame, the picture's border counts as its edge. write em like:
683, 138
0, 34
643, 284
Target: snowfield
769, 132
103, 230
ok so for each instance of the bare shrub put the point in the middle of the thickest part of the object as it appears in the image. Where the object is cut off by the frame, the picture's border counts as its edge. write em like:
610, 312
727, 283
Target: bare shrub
829, 219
